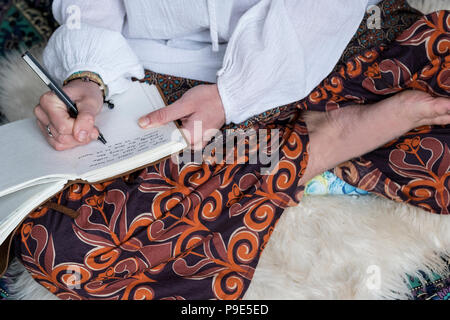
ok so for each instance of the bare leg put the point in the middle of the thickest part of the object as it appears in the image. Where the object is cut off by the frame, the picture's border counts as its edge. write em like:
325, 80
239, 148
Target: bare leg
353, 131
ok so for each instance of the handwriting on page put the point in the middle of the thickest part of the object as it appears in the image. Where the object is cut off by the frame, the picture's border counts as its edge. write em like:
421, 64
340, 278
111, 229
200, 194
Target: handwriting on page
124, 149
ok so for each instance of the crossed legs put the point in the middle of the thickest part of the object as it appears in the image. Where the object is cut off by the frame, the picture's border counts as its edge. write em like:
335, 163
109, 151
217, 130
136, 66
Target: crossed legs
350, 132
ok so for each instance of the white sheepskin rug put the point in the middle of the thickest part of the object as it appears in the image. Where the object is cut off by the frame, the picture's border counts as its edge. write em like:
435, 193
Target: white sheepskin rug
344, 247
329, 247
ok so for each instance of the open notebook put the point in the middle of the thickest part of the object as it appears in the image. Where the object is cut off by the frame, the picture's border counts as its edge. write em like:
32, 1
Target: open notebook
32, 171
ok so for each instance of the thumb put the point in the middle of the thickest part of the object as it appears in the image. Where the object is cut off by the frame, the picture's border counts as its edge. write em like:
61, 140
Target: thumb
165, 115
84, 127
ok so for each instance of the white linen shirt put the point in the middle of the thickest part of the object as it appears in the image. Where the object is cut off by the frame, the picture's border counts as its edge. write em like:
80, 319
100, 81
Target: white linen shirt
261, 53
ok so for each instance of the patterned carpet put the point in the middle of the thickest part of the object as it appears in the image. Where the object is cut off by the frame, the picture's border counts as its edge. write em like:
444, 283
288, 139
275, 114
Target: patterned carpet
436, 287
26, 24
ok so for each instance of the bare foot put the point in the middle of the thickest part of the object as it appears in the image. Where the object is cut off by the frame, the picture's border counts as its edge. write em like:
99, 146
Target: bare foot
421, 109
340, 135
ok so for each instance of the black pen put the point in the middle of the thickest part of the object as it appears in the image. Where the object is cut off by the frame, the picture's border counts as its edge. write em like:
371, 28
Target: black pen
45, 77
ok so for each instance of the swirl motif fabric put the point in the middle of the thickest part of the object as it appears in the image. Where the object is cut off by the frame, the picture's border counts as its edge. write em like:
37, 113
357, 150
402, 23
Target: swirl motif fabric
416, 167
196, 231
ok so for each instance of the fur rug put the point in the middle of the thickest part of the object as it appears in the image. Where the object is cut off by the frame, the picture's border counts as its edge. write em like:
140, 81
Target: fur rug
329, 247
332, 247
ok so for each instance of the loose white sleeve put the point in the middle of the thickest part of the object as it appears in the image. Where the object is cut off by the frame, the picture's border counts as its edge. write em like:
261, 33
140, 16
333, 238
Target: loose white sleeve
90, 39
281, 50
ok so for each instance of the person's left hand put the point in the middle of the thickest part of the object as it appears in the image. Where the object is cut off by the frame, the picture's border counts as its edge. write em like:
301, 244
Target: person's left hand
200, 110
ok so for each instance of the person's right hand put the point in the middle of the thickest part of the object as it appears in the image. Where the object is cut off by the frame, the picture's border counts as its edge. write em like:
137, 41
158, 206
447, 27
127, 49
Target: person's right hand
67, 132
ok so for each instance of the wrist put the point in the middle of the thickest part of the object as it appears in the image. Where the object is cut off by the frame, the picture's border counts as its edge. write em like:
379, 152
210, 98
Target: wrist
86, 89
89, 77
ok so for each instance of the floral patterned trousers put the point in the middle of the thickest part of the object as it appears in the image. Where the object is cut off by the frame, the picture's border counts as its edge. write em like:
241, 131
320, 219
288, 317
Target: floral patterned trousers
185, 230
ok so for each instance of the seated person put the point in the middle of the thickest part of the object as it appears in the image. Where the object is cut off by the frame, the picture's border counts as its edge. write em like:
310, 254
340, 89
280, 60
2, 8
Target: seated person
197, 230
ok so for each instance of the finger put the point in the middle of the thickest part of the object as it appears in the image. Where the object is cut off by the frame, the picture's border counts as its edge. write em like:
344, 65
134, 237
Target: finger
61, 120
84, 127
442, 120
51, 131
44, 123
62, 131
41, 115
441, 107
49, 100
52, 110
165, 115
57, 111
53, 142
65, 139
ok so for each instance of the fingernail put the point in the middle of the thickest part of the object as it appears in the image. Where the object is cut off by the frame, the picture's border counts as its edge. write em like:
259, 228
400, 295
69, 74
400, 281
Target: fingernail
82, 136
94, 136
143, 122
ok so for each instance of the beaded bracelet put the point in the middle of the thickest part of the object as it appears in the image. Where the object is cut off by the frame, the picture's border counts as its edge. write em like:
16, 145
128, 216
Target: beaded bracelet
88, 76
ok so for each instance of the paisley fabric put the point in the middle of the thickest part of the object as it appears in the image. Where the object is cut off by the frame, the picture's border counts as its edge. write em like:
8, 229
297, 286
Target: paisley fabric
173, 231
186, 230
382, 25
416, 167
